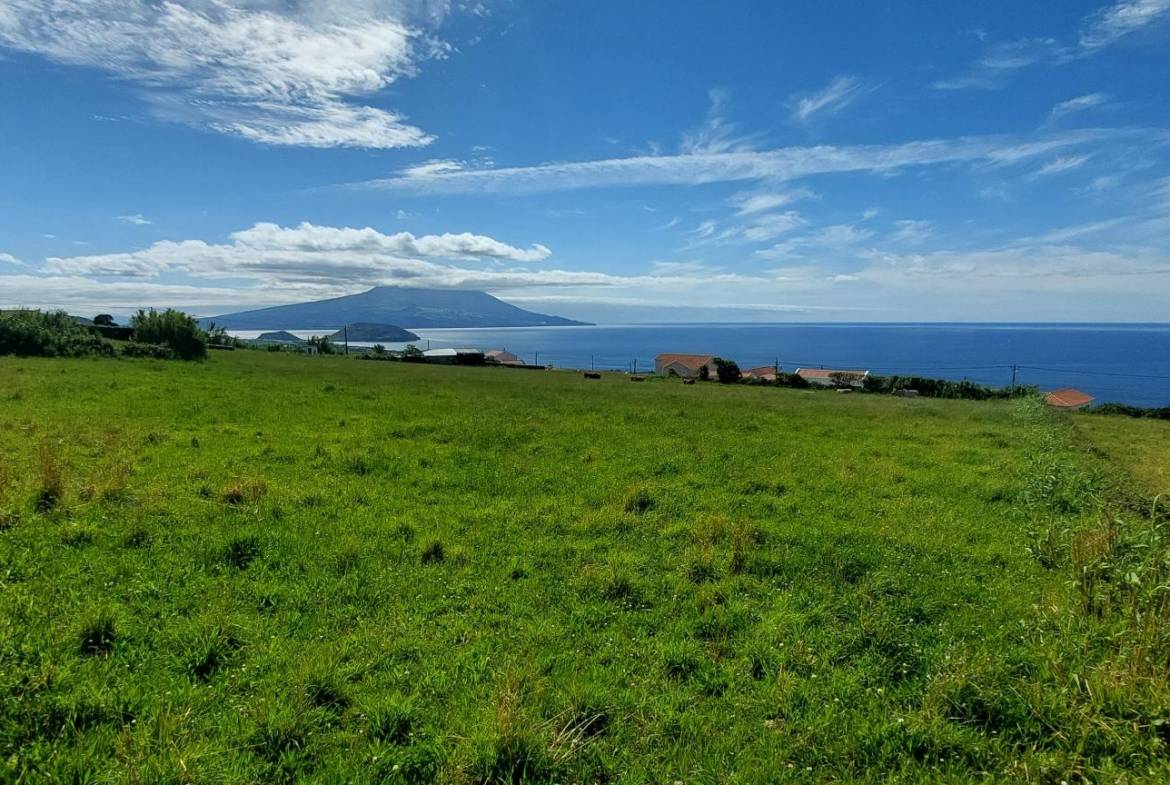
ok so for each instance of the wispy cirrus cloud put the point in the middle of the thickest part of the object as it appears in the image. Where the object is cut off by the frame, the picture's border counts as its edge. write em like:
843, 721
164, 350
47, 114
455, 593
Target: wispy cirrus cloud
776, 165
1081, 103
1121, 19
1001, 60
276, 73
1098, 30
1061, 165
832, 98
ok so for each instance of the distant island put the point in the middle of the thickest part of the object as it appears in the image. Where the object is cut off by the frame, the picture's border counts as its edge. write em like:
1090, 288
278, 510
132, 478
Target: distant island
279, 336
367, 332
393, 305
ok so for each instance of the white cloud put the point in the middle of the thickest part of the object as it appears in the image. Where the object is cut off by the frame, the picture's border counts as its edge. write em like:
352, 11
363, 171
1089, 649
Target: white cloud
7, 258
777, 165
717, 134
911, 232
1078, 104
834, 238
1000, 61
325, 254
1098, 30
771, 225
137, 219
832, 98
1060, 165
268, 71
1121, 19
749, 202
308, 237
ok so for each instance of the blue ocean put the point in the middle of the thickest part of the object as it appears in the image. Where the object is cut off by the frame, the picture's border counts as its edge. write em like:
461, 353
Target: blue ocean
1125, 363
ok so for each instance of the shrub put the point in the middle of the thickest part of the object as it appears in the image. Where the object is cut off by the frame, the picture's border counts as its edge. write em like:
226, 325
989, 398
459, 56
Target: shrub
174, 328
154, 351
30, 333
412, 354
727, 371
104, 320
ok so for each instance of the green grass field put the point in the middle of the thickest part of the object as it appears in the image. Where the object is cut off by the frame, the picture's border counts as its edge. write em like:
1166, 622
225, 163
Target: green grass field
272, 568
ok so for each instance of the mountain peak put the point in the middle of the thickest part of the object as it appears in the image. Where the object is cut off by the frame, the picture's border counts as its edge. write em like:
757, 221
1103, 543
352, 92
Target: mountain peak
404, 306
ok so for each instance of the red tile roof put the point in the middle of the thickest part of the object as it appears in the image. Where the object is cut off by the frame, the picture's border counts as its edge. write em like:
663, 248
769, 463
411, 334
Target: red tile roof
1068, 398
763, 370
695, 361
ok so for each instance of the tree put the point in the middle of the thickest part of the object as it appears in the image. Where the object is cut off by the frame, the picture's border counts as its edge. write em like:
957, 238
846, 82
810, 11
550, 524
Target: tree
727, 371
412, 354
104, 320
171, 328
324, 344
379, 349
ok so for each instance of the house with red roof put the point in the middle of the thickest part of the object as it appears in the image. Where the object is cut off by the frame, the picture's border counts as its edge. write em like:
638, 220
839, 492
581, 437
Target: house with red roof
688, 366
1068, 398
765, 372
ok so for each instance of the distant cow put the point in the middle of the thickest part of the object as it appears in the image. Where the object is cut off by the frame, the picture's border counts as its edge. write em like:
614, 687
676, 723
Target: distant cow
637, 378
688, 381
592, 375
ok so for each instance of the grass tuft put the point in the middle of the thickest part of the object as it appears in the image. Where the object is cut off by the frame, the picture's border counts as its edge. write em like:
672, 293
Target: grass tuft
97, 635
433, 553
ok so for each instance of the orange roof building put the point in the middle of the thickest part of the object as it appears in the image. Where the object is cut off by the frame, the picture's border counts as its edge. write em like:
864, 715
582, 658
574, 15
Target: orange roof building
766, 372
1068, 398
688, 366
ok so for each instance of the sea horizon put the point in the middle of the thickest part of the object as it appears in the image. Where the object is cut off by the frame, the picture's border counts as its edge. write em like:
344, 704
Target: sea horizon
1103, 359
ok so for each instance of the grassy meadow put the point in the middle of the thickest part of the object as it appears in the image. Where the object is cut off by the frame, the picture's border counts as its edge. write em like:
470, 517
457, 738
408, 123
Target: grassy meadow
275, 568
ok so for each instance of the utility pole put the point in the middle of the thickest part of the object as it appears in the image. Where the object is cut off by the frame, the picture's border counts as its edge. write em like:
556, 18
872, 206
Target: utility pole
635, 366
591, 363
1014, 369
345, 337
536, 358
776, 367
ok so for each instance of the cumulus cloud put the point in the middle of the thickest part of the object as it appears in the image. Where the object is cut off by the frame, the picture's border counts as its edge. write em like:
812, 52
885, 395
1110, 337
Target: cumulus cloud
305, 253
273, 72
7, 258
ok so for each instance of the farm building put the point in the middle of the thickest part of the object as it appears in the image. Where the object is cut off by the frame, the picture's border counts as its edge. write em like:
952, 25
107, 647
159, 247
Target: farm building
688, 366
501, 357
832, 377
458, 356
765, 372
1068, 398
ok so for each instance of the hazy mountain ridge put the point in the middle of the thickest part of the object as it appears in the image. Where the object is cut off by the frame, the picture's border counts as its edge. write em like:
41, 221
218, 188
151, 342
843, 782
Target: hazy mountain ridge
394, 305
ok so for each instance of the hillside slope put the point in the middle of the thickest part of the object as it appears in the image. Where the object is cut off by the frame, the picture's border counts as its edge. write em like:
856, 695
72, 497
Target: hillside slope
397, 305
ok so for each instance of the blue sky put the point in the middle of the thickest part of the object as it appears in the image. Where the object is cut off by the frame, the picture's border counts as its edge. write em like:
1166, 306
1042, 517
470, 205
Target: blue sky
611, 161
